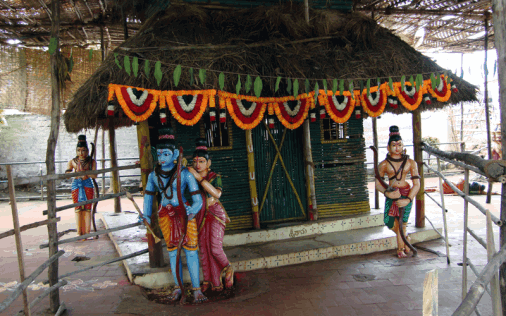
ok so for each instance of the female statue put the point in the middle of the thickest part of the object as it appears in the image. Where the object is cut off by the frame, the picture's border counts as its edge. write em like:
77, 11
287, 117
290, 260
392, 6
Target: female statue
82, 187
212, 221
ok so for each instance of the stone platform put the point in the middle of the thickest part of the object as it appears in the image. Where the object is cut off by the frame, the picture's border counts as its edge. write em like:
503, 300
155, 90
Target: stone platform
269, 248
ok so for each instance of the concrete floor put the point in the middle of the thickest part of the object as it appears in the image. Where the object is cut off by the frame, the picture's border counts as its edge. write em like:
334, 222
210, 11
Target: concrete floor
329, 287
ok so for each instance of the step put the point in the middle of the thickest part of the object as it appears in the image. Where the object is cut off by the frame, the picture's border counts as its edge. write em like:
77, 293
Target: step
253, 256
304, 229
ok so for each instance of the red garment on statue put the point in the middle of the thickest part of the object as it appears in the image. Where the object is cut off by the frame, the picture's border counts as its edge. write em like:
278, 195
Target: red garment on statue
394, 209
175, 214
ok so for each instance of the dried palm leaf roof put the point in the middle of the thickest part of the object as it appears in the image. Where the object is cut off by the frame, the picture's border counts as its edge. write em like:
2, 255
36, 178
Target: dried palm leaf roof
449, 25
435, 25
263, 41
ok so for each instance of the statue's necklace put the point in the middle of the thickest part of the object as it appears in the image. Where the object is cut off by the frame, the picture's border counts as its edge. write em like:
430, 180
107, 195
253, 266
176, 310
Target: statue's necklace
165, 174
403, 159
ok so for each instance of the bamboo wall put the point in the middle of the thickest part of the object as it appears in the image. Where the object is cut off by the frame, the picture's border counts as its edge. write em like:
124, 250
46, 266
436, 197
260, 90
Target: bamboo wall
232, 164
25, 77
340, 174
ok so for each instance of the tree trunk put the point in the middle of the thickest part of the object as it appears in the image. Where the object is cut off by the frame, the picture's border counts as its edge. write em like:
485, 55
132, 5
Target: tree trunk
54, 299
492, 168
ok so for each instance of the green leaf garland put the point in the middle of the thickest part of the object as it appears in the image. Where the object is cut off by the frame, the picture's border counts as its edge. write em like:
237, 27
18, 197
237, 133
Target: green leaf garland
238, 85
276, 88
248, 83
202, 76
307, 86
403, 83
289, 85
334, 86
258, 87
368, 87
221, 80
325, 86
411, 81
126, 63
147, 69
158, 72
341, 87
351, 88
177, 75
295, 88
117, 61
391, 83
316, 92
135, 66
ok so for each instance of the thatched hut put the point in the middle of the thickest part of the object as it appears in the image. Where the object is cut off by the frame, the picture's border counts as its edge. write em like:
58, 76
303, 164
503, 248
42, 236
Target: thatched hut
277, 45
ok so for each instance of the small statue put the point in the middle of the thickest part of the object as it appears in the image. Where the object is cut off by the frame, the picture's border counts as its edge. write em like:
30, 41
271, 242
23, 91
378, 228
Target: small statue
176, 217
398, 193
212, 221
82, 187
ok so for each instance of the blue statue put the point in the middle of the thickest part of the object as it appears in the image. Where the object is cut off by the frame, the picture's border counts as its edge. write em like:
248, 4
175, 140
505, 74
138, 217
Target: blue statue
176, 216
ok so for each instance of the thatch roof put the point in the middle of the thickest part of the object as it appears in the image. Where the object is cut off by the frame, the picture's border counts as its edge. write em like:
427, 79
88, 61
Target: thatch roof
267, 42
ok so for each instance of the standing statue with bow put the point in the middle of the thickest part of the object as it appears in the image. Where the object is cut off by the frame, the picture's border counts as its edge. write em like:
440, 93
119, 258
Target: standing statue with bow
176, 216
398, 193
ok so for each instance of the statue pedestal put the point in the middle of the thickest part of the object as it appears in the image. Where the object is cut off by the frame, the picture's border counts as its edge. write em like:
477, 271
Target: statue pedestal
284, 245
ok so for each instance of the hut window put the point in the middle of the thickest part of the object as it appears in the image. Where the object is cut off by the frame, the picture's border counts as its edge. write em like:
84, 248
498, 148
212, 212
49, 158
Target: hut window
218, 135
332, 131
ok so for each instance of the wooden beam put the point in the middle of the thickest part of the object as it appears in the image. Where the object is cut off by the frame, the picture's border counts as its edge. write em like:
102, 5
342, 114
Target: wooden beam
375, 143
114, 164
17, 234
252, 179
54, 300
423, 12
499, 10
487, 111
145, 157
28, 226
418, 157
93, 234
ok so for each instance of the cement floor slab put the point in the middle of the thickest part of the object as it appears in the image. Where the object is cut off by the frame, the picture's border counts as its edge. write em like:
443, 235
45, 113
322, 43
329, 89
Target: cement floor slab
251, 256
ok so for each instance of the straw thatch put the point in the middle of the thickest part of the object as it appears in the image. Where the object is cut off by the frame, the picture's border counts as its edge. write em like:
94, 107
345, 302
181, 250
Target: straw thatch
267, 42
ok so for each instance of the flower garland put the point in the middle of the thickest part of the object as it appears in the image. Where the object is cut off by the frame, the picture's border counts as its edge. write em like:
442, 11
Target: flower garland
189, 113
443, 92
339, 112
138, 109
244, 118
410, 102
293, 118
374, 103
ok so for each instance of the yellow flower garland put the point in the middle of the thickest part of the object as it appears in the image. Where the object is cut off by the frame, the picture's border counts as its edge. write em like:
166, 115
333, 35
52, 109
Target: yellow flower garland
207, 95
323, 100
444, 98
309, 99
406, 104
225, 99
366, 108
136, 118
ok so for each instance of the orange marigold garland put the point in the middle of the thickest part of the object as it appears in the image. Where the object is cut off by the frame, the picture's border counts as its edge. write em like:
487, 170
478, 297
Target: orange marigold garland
410, 98
246, 111
339, 107
442, 92
188, 106
374, 103
137, 103
293, 111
